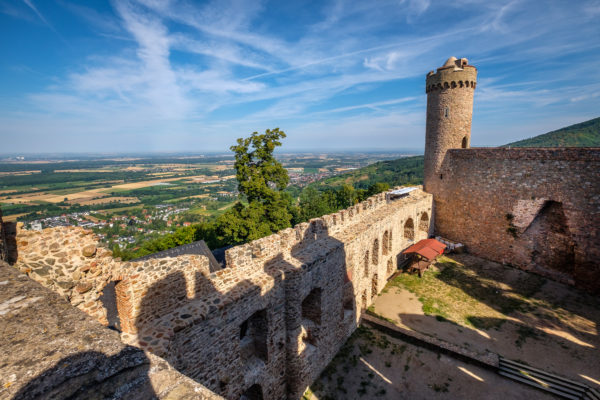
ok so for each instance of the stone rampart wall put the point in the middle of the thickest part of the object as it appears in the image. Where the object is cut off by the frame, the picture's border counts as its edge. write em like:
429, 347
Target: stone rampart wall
537, 209
69, 261
286, 303
51, 350
271, 321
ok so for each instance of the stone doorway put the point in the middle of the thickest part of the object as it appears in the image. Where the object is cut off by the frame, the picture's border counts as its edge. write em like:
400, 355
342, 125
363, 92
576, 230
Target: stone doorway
550, 239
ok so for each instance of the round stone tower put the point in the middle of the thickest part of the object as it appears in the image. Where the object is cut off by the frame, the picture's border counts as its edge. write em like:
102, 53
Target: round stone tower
449, 111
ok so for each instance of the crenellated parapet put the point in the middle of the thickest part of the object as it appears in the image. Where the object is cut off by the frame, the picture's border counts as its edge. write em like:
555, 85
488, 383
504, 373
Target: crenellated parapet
272, 319
455, 73
282, 242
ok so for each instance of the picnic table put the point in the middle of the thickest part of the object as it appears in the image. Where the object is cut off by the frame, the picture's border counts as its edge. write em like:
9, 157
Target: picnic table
423, 253
419, 266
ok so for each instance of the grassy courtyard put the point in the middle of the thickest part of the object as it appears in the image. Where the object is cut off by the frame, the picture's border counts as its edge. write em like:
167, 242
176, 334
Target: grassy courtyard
485, 306
475, 297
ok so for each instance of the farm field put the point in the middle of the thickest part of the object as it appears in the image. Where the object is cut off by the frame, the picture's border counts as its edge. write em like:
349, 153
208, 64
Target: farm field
130, 200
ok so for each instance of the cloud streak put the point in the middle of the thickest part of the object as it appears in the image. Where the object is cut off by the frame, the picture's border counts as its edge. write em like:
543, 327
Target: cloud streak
212, 70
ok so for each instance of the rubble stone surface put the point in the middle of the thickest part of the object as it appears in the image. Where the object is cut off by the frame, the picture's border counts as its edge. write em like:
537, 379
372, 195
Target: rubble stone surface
51, 350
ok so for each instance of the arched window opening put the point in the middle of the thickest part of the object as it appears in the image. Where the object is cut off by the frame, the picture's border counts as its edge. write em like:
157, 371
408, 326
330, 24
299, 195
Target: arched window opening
347, 301
311, 316
385, 243
446, 112
367, 263
376, 252
424, 223
390, 247
364, 299
311, 306
109, 302
253, 336
465, 143
409, 229
374, 283
390, 266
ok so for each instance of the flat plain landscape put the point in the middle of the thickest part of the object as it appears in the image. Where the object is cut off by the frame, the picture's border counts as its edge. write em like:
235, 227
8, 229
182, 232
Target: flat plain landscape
131, 199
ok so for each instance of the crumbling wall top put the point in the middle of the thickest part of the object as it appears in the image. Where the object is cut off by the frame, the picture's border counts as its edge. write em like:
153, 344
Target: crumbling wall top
49, 347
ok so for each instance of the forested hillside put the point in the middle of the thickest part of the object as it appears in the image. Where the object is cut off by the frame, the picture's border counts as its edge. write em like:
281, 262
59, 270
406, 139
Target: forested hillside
403, 171
585, 134
409, 170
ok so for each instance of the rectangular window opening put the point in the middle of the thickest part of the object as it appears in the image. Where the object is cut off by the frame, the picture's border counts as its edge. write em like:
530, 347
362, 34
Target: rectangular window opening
253, 336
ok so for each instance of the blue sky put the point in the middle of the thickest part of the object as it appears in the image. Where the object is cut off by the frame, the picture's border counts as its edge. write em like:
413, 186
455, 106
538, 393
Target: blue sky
151, 75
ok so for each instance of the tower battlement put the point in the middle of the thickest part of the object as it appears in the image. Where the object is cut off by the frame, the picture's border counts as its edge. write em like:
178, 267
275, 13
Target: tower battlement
455, 73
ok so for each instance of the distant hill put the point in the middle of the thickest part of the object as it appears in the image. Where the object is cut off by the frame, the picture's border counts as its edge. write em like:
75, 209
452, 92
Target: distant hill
585, 134
403, 171
409, 170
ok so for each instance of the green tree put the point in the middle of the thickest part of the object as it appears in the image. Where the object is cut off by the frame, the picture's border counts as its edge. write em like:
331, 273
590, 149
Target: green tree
378, 188
260, 176
314, 204
261, 181
346, 196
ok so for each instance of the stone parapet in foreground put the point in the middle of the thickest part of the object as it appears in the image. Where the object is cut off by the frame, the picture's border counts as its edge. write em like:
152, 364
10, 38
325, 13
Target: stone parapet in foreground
49, 349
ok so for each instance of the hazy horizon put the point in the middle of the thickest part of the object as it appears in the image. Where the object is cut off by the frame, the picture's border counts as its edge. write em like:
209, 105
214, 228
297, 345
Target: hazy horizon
182, 154
183, 76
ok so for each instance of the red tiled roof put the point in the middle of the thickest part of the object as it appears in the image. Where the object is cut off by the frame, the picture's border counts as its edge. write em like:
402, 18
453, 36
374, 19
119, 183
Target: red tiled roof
428, 248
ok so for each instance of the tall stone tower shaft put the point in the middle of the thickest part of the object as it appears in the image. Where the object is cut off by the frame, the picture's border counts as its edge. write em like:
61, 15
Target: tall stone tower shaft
449, 112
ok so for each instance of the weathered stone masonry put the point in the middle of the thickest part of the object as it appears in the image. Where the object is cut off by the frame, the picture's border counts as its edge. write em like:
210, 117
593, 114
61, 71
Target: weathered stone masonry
268, 323
537, 209
449, 112
51, 350
283, 306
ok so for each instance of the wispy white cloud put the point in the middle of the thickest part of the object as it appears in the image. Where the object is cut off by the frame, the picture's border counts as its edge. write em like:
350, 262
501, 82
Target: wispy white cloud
226, 66
29, 3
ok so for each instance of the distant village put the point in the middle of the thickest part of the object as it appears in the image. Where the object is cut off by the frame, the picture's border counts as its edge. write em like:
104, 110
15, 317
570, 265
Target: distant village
119, 229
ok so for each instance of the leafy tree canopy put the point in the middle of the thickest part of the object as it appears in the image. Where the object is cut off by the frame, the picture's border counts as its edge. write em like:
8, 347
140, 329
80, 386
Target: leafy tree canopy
260, 176
261, 180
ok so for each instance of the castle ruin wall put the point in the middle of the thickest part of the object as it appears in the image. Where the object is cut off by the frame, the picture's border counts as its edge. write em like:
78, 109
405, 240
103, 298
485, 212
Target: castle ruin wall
537, 209
272, 320
50, 349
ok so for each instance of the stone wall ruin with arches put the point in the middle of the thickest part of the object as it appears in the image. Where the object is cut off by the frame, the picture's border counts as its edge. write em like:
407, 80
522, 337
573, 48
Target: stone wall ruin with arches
269, 322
